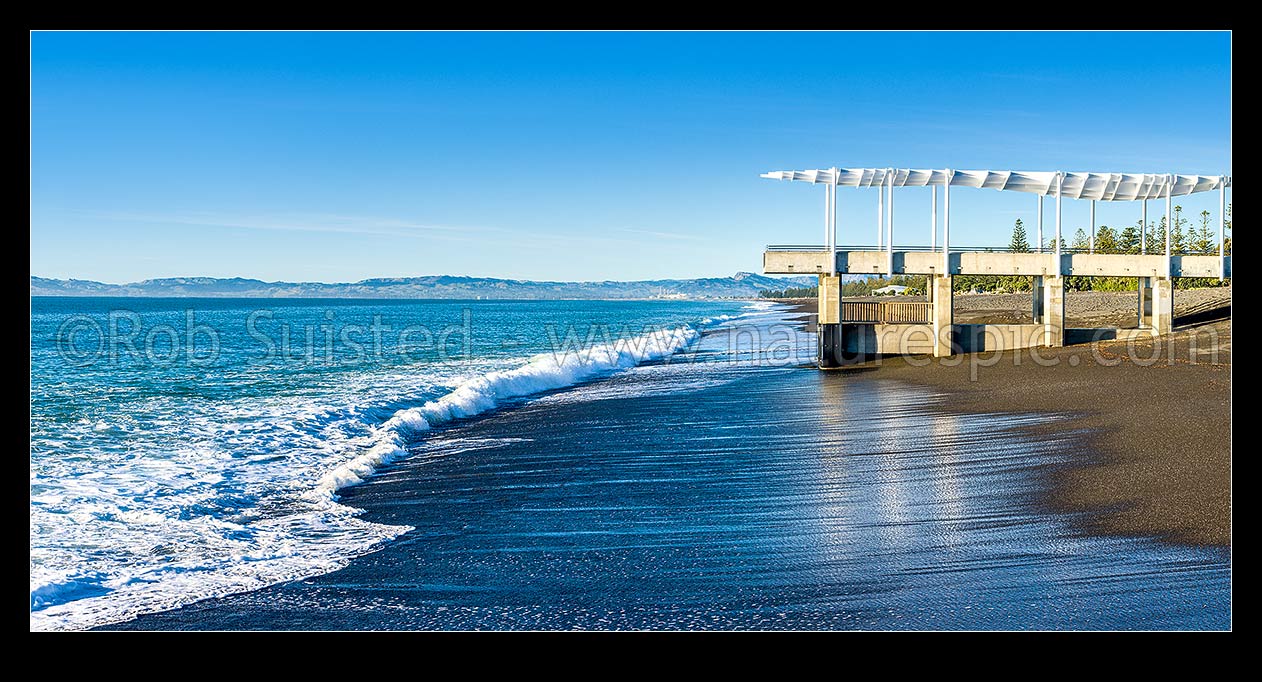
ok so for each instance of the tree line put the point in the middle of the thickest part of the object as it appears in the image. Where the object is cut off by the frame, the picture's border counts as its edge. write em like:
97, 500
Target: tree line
1200, 239
859, 287
791, 292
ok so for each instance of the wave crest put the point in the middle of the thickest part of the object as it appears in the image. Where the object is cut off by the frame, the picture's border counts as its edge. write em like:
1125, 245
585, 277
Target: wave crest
544, 372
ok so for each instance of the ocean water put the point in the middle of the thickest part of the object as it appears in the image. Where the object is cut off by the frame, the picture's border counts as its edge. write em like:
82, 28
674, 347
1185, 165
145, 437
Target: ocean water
545, 465
183, 449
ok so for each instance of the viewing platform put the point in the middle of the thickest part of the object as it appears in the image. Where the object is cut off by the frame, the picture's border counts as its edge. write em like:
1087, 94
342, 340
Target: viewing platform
914, 260
850, 329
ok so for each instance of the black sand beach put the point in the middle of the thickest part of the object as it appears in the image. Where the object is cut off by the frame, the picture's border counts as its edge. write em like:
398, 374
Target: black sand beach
885, 497
1159, 462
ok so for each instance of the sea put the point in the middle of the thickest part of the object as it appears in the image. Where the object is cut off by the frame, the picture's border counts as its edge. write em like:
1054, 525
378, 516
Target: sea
658, 464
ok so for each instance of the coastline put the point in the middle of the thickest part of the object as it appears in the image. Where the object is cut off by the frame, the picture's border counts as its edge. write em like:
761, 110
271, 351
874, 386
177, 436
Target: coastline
553, 513
797, 511
1159, 461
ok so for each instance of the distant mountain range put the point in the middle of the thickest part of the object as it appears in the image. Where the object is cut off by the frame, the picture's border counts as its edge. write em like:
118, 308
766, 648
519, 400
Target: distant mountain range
740, 285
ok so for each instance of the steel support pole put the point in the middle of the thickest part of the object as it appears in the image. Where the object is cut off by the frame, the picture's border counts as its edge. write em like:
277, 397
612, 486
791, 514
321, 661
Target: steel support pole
1091, 244
1169, 225
889, 229
946, 224
828, 218
1143, 227
1222, 228
880, 213
832, 250
1060, 179
1039, 221
933, 220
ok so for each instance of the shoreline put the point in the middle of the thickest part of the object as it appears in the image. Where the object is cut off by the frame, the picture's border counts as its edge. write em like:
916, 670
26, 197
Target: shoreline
1158, 461
578, 514
433, 495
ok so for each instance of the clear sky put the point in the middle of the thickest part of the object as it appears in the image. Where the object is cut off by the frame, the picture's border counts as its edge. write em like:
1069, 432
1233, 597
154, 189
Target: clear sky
342, 156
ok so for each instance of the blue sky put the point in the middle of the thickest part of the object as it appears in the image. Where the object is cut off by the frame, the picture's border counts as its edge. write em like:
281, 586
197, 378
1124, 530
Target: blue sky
342, 156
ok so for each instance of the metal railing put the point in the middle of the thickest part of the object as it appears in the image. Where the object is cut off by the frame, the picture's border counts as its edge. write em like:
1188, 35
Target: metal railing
886, 312
956, 249
906, 248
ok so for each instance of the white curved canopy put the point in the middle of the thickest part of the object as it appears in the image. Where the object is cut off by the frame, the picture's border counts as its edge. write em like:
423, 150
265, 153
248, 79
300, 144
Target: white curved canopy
1101, 186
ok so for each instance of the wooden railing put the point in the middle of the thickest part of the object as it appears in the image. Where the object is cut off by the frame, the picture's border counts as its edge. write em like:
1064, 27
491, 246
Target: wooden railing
866, 311
886, 312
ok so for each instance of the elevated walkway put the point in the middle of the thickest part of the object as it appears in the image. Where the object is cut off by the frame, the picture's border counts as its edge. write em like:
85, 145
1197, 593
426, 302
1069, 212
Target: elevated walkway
845, 329
809, 260
864, 328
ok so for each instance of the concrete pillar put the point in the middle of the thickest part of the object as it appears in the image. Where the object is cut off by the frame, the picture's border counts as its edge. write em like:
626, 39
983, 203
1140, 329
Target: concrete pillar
1162, 305
1036, 299
1054, 311
830, 328
943, 329
1145, 302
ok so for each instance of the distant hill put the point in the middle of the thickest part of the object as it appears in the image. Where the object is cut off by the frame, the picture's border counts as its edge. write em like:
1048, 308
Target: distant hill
740, 285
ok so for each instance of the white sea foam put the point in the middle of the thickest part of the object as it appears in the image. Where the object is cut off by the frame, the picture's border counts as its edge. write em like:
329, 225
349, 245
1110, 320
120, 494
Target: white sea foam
158, 502
543, 372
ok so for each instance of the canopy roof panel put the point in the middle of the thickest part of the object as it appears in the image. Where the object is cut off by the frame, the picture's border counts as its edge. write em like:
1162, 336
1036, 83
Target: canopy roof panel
1101, 186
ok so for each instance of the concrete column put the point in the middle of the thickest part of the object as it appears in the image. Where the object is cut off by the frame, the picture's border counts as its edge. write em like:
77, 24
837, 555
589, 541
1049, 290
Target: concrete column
943, 329
929, 288
1145, 302
830, 336
1036, 299
1162, 305
1054, 311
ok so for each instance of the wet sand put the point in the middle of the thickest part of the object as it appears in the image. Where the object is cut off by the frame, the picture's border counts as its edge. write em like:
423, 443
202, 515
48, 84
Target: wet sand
728, 498
1159, 461
881, 496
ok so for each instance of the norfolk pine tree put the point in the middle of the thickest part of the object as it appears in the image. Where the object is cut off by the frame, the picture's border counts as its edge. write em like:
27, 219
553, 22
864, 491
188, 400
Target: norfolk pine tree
1020, 243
